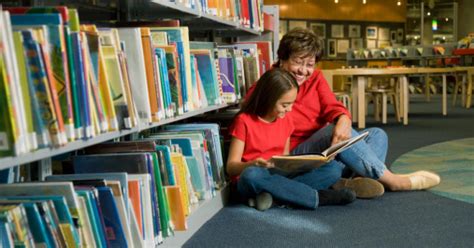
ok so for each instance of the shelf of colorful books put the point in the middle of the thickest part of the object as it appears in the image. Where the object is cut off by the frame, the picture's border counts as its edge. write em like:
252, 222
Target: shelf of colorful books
8, 162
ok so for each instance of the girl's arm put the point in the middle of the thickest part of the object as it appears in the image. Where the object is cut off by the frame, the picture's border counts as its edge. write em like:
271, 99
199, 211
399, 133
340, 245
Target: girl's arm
287, 147
235, 166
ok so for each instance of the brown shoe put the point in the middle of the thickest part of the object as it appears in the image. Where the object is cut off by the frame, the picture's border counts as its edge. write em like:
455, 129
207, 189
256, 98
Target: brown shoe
365, 188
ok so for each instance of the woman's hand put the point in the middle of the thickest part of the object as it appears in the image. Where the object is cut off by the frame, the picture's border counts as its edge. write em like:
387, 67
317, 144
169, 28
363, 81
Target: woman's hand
342, 129
262, 163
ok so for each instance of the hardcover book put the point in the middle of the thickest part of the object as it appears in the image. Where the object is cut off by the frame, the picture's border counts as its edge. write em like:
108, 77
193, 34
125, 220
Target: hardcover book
305, 162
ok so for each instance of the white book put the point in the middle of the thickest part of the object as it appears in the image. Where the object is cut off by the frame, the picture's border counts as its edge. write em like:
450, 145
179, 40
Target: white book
136, 70
146, 207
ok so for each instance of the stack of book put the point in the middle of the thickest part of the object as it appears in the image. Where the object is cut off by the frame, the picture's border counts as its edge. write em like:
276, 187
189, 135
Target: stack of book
119, 194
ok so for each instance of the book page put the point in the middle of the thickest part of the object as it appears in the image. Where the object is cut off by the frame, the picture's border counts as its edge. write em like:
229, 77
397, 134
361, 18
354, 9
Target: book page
343, 145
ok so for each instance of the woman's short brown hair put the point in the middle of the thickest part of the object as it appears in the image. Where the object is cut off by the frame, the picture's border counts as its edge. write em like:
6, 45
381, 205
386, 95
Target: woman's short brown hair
301, 42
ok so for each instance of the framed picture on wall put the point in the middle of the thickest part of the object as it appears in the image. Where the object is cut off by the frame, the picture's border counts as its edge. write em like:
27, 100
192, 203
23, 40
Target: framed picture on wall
371, 43
342, 46
371, 32
296, 24
384, 34
357, 43
319, 29
332, 49
400, 35
383, 43
337, 31
354, 31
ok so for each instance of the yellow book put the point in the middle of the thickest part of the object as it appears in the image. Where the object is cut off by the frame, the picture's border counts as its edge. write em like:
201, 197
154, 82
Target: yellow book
31, 135
177, 208
180, 173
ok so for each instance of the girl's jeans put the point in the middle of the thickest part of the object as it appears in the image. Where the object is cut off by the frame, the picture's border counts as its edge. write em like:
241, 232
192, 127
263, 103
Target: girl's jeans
365, 158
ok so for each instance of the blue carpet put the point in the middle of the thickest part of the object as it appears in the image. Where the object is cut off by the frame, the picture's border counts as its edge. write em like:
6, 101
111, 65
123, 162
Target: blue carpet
452, 160
402, 219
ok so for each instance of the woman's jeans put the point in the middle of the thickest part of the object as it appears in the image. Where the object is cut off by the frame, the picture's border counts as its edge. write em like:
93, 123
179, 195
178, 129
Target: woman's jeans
365, 158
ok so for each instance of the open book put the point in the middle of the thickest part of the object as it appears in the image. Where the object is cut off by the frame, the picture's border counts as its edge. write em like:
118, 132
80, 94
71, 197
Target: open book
306, 162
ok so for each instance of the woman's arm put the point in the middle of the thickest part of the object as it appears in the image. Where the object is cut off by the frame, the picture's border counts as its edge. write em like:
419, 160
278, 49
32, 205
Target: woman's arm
342, 129
235, 166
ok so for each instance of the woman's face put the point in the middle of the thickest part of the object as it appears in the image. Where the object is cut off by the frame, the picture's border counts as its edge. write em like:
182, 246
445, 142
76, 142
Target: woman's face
301, 67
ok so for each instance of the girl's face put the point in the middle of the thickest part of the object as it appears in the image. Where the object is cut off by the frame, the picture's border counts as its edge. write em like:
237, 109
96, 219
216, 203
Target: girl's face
283, 105
301, 67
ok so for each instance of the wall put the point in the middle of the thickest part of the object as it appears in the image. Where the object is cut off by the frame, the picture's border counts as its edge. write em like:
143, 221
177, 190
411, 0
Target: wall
465, 18
374, 10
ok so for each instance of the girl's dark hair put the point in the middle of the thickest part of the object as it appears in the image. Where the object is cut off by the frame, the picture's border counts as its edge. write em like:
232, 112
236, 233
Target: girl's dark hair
268, 89
299, 41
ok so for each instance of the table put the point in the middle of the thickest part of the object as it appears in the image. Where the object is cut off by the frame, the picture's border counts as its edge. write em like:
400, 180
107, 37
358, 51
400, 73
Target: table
362, 76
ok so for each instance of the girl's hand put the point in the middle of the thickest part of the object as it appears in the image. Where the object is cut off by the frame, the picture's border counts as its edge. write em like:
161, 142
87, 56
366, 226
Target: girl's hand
342, 129
262, 163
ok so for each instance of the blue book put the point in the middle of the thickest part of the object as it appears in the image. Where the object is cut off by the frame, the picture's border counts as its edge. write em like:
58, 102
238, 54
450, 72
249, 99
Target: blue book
81, 84
97, 221
115, 232
165, 82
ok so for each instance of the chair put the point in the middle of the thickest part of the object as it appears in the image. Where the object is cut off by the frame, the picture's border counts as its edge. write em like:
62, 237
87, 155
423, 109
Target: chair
381, 92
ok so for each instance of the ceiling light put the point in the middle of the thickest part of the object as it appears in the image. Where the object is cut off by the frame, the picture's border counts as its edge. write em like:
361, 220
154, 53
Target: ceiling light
399, 3
364, 1
428, 14
336, 1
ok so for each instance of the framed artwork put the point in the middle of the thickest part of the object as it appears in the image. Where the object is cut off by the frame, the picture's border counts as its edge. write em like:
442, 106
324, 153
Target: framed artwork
371, 43
383, 43
319, 29
393, 36
337, 31
296, 24
283, 25
342, 46
384, 34
354, 31
371, 32
400, 35
332, 52
357, 43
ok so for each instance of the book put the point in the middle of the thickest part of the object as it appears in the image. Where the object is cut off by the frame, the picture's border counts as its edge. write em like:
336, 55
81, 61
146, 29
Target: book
305, 162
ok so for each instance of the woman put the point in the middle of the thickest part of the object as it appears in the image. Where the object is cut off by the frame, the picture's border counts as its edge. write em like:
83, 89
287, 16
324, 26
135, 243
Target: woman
320, 120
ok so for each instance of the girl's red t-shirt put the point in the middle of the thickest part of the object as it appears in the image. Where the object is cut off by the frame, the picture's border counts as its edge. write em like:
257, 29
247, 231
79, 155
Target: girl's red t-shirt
262, 139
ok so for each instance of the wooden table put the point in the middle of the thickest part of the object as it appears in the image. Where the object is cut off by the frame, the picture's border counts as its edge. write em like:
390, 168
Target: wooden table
362, 76
358, 88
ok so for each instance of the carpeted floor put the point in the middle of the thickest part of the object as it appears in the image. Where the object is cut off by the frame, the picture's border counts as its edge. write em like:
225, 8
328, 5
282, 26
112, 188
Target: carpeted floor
452, 160
408, 219
401, 219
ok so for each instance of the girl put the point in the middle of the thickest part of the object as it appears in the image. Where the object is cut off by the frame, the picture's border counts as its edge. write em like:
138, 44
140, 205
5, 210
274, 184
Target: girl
262, 130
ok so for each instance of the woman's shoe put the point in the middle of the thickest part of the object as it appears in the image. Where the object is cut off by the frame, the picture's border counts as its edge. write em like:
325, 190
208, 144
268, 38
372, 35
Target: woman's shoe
423, 179
364, 188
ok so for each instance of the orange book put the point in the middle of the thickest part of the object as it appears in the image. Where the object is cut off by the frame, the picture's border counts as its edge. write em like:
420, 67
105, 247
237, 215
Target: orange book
150, 73
135, 198
178, 216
